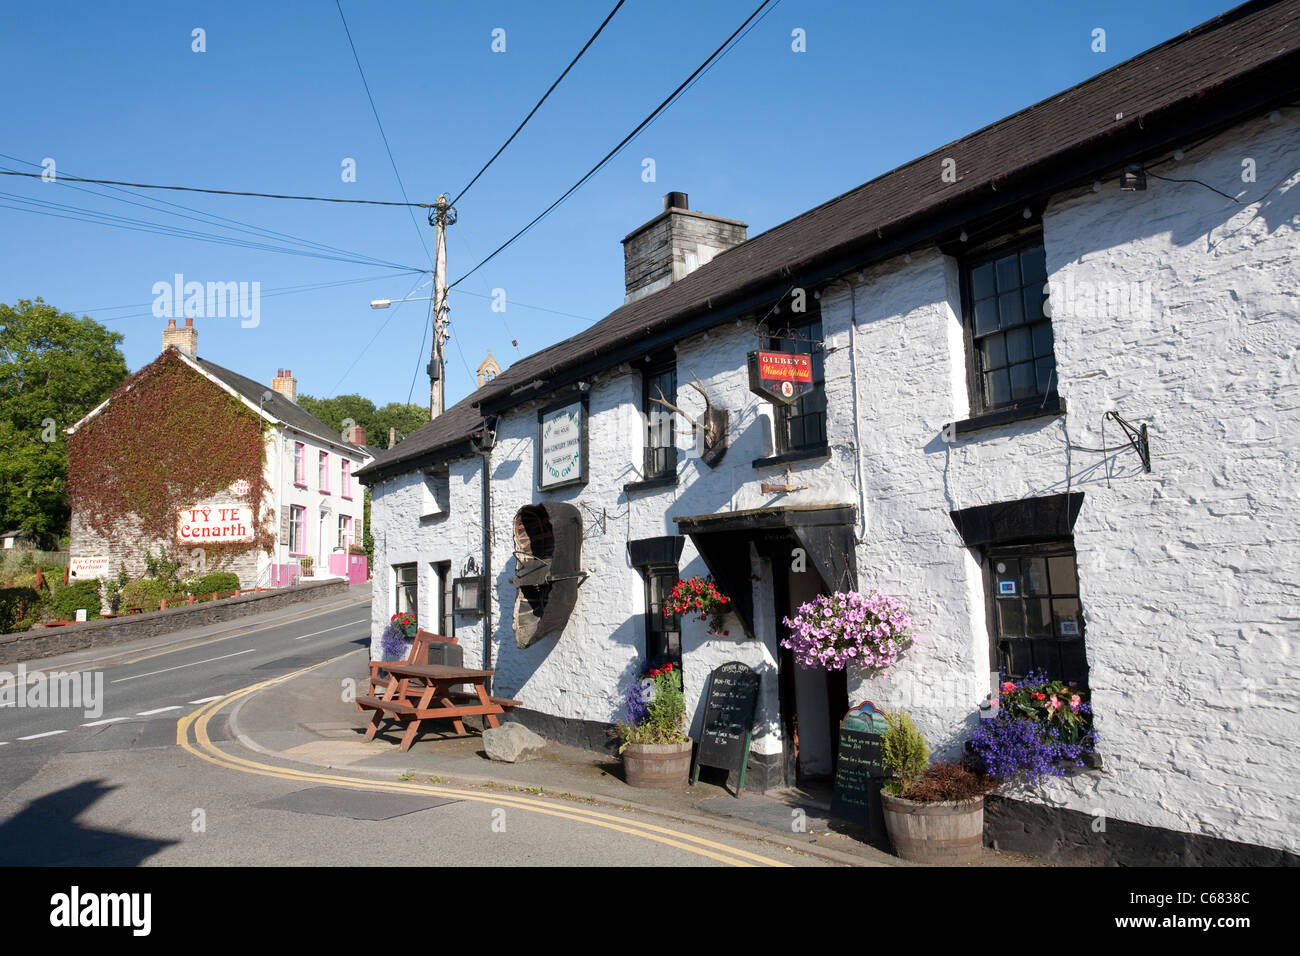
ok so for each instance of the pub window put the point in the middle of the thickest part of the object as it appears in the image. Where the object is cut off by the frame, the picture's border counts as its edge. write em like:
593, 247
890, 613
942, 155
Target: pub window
660, 380
1008, 330
663, 632
406, 589
1037, 617
801, 426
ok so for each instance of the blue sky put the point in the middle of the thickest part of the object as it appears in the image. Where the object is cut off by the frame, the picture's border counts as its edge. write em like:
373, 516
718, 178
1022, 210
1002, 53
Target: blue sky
275, 104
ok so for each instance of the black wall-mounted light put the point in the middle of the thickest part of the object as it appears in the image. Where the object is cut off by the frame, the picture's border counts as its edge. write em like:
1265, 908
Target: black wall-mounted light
1133, 179
469, 595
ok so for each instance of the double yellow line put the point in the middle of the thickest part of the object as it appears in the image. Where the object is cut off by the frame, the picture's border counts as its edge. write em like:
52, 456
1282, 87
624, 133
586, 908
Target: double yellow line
203, 748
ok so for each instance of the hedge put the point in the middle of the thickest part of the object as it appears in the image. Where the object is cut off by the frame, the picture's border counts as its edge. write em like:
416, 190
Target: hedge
216, 582
67, 600
18, 606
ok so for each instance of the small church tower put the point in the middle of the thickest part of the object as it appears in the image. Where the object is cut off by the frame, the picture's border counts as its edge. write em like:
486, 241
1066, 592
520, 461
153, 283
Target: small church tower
488, 370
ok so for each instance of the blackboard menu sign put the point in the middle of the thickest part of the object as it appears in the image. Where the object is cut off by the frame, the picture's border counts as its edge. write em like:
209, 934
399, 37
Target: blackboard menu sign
860, 770
728, 720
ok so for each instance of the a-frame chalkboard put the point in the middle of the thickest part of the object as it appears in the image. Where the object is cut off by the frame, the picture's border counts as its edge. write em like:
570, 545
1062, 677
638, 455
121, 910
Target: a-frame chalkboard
859, 771
728, 722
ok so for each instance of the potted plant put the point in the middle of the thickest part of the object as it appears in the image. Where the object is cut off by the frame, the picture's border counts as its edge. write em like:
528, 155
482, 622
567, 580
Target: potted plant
700, 596
656, 751
832, 631
396, 639
935, 813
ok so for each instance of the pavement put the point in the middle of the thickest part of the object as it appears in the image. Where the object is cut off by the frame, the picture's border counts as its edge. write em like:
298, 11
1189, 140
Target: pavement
307, 719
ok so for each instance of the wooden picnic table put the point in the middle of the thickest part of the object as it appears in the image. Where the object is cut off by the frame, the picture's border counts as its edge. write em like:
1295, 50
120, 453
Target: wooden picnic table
419, 692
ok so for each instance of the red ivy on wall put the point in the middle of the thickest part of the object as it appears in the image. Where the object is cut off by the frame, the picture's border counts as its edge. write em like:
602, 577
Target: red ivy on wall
168, 439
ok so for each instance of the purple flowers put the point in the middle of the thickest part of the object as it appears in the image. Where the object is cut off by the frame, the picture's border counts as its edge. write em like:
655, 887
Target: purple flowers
394, 642
1026, 742
870, 631
637, 702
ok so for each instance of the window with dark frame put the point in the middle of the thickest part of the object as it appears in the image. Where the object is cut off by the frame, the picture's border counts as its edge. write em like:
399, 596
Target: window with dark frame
1037, 617
660, 380
663, 632
801, 426
406, 593
1008, 329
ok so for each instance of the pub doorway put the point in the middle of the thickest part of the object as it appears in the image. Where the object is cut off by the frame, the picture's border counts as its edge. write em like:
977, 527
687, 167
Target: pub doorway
814, 700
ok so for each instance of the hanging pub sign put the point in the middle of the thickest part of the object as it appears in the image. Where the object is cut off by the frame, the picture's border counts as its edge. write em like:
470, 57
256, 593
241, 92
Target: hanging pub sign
215, 523
562, 445
780, 376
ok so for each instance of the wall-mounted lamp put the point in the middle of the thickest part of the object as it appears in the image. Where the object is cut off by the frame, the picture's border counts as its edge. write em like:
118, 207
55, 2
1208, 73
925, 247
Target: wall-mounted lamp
1133, 179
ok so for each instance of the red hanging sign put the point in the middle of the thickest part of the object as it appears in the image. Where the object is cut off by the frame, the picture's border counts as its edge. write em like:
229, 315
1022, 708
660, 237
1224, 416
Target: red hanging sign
780, 376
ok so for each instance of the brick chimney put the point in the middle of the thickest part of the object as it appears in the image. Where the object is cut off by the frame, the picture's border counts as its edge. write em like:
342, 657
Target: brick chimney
673, 245
286, 385
186, 339
355, 435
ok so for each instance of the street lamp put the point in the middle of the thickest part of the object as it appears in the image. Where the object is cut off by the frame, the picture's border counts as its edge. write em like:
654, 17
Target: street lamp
385, 303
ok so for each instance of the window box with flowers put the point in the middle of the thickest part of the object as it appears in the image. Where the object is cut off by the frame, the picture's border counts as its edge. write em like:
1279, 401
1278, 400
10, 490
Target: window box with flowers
656, 751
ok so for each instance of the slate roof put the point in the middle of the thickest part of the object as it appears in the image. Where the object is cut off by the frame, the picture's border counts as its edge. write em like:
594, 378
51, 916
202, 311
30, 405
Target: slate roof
1184, 80
277, 405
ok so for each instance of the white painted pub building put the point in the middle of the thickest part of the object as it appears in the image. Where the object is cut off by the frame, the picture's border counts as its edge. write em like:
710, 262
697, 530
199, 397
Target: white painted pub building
1053, 409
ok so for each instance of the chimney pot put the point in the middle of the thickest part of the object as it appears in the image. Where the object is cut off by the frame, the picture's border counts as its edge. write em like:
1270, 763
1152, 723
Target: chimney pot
189, 322
171, 323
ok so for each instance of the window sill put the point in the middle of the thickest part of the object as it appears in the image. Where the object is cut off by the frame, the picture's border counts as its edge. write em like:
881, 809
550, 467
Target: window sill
346, 497
663, 481
814, 453
299, 484
1052, 407
324, 491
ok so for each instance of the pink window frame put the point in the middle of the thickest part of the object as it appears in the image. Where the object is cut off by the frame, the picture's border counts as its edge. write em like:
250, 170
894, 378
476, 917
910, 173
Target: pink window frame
345, 533
323, 471
300, 464
346, 466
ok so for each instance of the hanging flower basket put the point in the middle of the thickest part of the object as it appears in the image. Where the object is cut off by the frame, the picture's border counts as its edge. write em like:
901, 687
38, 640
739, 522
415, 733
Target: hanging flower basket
700, 596
396, 639
871, 631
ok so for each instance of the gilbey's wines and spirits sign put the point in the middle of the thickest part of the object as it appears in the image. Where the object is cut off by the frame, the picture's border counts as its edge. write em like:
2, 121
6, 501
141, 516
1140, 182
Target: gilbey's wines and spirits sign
780, 376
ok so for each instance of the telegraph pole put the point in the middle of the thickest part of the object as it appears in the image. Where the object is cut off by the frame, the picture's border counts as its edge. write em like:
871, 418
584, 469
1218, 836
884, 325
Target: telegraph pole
442, 216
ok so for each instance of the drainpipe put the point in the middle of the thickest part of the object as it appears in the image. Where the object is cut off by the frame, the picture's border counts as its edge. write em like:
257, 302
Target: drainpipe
487, 561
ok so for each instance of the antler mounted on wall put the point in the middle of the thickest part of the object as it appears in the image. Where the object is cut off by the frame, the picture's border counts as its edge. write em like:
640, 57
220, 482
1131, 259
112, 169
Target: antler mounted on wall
714, 421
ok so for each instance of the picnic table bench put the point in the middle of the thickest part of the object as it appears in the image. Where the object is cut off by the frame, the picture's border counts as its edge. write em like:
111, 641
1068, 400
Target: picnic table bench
419, 692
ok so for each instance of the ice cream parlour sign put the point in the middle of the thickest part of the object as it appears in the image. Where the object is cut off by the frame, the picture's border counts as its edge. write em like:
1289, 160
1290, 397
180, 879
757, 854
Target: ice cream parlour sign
215, 523
562, 445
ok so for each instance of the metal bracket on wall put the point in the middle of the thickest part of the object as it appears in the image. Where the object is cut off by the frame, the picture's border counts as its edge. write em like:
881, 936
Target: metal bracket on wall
1137, 437
598, 520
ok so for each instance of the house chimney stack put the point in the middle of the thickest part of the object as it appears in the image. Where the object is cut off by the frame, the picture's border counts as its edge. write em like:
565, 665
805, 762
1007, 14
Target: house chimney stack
286, 385
186, 339
355, 435
673, 245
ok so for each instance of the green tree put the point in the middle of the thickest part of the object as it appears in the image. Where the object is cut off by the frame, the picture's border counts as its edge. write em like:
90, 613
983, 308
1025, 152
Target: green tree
403, 418
54, 368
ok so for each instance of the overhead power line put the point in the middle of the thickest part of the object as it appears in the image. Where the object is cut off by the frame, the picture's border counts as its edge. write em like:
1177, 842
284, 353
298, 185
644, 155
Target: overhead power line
614, 152
548, 92
222, 192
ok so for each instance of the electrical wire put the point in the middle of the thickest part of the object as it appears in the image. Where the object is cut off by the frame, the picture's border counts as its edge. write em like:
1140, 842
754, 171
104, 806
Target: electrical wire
221, 192
613, 152
237, 225
549, 91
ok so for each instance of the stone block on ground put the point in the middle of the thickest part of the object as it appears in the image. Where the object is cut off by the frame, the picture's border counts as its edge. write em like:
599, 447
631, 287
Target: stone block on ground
512, 743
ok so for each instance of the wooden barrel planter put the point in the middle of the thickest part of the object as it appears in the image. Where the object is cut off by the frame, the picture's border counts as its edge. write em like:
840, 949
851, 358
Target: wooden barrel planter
657, 766
950, 831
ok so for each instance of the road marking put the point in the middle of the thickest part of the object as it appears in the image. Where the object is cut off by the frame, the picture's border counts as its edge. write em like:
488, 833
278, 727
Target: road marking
48, 733
328, 629
179, 666
204, 749
160, 710
106, 720
206, 700
4, 743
